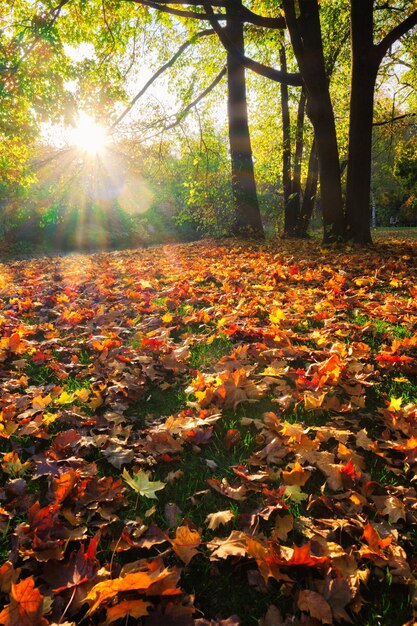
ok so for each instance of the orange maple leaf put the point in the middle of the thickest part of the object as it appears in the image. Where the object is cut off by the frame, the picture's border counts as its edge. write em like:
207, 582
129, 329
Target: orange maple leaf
25, 608
374, 541
128, 608
185, 543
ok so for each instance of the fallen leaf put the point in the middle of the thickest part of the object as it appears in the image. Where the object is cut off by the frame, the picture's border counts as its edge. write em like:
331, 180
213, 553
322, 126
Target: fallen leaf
234, 545
214, 520
185, 543
128, 608
26, 606
314, 603
140, 483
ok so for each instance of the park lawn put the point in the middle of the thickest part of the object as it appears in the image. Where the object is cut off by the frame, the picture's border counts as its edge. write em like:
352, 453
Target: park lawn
216, 433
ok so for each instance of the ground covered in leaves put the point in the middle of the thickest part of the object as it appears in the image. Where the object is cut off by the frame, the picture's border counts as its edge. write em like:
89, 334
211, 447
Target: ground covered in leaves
209, 434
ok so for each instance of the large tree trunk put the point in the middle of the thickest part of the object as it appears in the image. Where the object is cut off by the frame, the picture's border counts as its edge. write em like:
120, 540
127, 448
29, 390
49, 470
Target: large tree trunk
363, 77
247, 214
305, 33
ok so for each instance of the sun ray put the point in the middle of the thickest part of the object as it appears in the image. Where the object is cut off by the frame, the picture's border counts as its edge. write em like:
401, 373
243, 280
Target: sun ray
88, 136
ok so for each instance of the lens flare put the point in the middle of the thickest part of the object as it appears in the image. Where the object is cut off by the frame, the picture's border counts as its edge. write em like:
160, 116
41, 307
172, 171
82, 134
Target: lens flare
88, 136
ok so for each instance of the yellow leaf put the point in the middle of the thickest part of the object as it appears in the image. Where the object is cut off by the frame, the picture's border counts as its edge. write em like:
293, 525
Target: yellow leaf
49, 418
12, 464
296, 476
276, 316
167, 318
395, 404
313, 400
65, 398
294, 493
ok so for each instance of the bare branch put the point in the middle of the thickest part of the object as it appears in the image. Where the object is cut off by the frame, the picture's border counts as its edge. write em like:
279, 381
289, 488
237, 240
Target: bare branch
181, 49
180, 116
395, 119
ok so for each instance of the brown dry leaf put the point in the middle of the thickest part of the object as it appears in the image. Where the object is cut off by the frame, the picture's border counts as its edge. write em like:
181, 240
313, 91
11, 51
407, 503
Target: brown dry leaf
128, 608
394, 508
283, 525
173, 476
214, 520
173, 514
234, 545
314, 603
332, 473
362, 439
338, 595
223, 487
8, 575
186, 543
117, 455
272, 617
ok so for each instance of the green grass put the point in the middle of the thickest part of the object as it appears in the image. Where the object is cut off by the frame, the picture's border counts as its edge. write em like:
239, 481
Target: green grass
158, 402
40, 374
72, 383
385, 604
205, 355
383, 328
222, 590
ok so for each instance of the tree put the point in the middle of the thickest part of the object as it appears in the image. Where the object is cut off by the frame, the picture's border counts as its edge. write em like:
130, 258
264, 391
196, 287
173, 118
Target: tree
366, 60
297, 207
305, 34
247, 215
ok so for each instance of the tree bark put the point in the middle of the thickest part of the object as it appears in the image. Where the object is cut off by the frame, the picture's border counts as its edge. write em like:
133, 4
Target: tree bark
247, 214
299, 144
310, 192
363, 77
305, 34
291, 208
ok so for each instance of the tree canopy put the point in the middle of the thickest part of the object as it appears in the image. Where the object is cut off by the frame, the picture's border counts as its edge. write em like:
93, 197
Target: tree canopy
296, 97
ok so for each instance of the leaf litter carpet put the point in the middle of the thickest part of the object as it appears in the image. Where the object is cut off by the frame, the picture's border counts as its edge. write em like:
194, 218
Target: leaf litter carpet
209, 434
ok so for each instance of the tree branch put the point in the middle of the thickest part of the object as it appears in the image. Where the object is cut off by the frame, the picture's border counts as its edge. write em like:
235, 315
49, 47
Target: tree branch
285, 78
261, 69
394, 119
181, 49
382, 48
180, 116
245, 16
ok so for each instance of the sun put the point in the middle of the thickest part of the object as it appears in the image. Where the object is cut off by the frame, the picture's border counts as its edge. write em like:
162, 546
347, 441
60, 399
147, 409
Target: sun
88, 136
